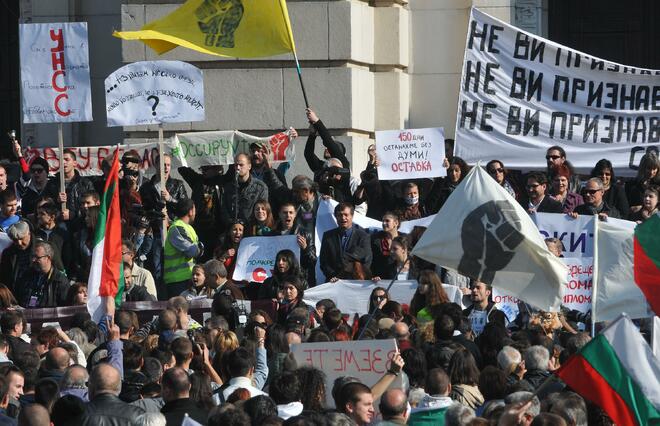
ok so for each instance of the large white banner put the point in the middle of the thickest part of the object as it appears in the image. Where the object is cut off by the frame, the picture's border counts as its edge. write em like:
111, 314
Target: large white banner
368, 360
410, 153
521, 94
55, 72
153, 92
577, 235
255, 259
220, 146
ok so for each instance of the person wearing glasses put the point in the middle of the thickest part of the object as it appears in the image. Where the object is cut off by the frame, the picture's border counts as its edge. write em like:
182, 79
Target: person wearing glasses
594, 203
496, 170
43, 285
555, 156
32, 185
536, 200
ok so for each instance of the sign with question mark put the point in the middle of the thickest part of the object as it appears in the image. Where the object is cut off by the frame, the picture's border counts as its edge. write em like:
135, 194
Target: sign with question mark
154, 92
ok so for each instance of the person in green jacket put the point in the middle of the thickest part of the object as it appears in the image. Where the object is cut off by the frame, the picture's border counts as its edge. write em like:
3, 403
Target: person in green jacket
182, 246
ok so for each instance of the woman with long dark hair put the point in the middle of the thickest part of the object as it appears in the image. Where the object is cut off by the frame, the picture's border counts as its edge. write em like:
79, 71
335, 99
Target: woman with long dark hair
429, 293
442, 188
228, 245
464, 377
648, 174
261, 221
495, 168
399, 262
291, 298
286, 264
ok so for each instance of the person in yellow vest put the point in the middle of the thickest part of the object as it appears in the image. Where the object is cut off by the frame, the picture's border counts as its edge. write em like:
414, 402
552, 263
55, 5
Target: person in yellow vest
182, 246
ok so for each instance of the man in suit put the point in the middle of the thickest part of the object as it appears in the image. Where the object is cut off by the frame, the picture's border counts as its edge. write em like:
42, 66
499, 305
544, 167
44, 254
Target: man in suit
345, 244
537, 201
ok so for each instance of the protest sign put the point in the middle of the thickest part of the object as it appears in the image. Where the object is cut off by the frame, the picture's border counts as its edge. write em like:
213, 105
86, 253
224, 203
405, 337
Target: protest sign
577, 235
367, 360
521, 94
55, 73
407, 226
89, 158
410, 154
153, 92
577, 292
255, 259
506, 303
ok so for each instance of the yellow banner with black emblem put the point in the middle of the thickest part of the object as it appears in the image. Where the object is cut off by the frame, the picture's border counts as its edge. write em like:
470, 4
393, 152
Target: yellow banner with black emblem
234, 28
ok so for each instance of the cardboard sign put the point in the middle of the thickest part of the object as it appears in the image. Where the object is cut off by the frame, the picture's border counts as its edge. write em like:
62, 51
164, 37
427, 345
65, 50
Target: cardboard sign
411, 153
367, 360
521, 94
255, 259
153, 92
55, 73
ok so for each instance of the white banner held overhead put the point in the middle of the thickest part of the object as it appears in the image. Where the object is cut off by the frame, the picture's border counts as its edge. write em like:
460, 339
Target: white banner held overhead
410, 153
521, 94
154, 92
255, 259
55, 73
220, 146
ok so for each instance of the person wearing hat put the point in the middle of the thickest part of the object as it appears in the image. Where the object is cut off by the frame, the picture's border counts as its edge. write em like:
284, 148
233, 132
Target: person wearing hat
182, 246
560, 178
32, 185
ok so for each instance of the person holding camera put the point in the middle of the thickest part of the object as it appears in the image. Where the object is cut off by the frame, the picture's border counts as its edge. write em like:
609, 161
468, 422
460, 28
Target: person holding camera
182, 246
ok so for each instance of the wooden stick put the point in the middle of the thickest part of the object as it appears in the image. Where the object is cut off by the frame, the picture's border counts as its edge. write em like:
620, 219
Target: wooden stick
60, 137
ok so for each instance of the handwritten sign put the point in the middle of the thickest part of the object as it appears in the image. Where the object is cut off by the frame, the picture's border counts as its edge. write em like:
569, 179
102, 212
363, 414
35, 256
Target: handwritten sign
410, 154
255, 259
577, 291
152, 92
366, 360
55, 73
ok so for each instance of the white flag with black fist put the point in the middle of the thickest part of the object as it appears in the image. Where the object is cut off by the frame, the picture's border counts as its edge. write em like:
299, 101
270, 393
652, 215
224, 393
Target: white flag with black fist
483, 233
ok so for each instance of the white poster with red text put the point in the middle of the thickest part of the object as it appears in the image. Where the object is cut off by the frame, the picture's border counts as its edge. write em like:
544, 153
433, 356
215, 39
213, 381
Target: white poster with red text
55, 84
410, 153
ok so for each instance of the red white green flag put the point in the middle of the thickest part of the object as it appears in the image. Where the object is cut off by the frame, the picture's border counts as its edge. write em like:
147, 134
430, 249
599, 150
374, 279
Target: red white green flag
106, 276
647, 260
618, 372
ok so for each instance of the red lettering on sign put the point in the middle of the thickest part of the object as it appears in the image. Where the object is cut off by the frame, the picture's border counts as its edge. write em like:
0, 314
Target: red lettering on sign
57, 62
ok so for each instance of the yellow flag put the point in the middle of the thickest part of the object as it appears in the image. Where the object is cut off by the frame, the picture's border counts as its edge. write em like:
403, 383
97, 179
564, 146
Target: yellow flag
235, 28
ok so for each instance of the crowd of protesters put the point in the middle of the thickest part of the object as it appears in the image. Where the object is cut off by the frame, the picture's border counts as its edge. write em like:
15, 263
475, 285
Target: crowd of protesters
458, 367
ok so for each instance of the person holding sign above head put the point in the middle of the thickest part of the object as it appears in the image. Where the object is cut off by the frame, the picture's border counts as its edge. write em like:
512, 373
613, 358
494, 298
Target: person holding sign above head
345, 250
594, 203
181, 247
536, 200
75, 184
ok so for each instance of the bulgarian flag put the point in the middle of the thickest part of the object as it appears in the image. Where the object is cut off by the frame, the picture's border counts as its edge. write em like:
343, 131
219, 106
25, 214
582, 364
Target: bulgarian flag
647, 260
106, 275
618, 372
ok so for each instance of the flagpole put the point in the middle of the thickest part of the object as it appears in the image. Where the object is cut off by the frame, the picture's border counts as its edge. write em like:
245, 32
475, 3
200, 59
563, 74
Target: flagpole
302, 85
60, 141
594, 279
161, 166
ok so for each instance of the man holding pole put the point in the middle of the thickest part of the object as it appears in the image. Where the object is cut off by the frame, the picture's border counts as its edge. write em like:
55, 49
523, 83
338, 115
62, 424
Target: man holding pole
75, 186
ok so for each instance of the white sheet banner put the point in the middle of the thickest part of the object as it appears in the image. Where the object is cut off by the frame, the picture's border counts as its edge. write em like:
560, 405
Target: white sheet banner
255, 259
55, 72
410, 153
153, 92
368, 360
521, 94
221, 146
325, 221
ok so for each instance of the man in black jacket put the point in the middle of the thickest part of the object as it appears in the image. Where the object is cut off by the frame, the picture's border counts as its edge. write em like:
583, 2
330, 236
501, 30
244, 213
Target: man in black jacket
333, 149
43, 285
11, 323
176, 394
105, 407
594, 203
537, 200
75, 186
343, 245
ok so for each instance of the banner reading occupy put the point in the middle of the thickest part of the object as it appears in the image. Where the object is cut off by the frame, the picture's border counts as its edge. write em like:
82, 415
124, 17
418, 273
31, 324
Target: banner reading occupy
521, 94
187, 149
